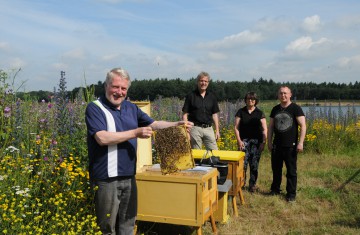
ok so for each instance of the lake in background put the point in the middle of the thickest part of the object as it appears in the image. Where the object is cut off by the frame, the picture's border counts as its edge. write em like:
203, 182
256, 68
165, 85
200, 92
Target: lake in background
332, 110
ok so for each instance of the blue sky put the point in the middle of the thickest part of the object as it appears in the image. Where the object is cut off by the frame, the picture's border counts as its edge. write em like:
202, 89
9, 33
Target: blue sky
236, 40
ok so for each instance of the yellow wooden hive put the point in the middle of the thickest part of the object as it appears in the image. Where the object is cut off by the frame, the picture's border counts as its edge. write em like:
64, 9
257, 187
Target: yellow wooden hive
172, 146
185, 198
235, 160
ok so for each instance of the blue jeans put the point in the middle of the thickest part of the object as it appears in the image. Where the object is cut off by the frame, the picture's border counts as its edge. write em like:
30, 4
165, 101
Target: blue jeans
116, 205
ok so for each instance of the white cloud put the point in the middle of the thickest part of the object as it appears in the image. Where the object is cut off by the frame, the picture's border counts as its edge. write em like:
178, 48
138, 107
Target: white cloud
301, 44
242, 38
305, 46
312, 23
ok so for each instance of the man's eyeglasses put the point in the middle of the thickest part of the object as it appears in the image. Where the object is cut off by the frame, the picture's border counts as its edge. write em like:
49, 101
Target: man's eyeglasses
250, 98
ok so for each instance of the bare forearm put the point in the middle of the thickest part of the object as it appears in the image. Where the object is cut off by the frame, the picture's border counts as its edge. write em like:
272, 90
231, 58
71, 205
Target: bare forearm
157, 125
264, 137
111, 138
302, 134
302, 123
216, 122
265, 130
237, 134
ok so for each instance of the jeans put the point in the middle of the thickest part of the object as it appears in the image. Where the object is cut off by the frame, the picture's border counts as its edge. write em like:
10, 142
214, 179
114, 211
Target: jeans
116, 205
278, 157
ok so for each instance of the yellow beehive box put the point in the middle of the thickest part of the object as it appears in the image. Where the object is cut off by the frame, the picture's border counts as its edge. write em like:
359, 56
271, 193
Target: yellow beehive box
184, 198
144, 153
235, 160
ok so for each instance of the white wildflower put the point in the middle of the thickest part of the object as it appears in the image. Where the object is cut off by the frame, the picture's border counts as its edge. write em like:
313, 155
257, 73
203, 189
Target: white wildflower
12, 149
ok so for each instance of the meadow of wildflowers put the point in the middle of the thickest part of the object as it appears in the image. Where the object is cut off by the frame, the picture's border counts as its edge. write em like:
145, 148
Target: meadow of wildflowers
329, 129
44, 183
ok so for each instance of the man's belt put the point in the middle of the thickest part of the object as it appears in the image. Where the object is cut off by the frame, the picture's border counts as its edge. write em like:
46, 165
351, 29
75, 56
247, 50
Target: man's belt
202, 125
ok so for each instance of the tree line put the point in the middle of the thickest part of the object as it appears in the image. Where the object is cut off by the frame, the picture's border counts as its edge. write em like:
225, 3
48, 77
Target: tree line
225, 91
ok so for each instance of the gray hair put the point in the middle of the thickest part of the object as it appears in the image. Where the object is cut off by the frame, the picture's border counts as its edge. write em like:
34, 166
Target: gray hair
117, 72
203, 74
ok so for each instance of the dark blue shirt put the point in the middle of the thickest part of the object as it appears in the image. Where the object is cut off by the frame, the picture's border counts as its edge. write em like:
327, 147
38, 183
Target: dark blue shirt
129, 117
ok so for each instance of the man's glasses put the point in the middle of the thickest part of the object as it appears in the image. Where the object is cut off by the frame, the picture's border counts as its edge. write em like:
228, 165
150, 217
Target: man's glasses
251, 98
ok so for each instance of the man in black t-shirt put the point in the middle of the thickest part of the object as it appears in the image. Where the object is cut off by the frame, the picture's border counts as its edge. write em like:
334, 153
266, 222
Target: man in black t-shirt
201, 108
285, 118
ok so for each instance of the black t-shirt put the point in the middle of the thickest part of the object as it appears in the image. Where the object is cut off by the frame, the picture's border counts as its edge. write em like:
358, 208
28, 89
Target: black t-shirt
201, 109
286, 125
250, 125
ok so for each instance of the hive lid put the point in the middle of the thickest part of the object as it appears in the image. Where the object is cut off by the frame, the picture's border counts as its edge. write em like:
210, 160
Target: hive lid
223, 154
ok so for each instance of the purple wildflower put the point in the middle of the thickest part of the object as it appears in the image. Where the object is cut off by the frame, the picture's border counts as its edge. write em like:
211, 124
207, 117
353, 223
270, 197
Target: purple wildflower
9, 92
7, 111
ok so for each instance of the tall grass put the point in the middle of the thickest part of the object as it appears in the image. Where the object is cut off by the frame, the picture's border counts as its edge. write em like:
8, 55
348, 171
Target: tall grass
44, 183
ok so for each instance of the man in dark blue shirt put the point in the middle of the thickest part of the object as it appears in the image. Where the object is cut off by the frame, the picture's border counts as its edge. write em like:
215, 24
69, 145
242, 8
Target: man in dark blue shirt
113, 126
201, 108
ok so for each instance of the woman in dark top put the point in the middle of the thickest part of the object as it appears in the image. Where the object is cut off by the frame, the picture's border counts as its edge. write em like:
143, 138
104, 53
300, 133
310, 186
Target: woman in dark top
251, 131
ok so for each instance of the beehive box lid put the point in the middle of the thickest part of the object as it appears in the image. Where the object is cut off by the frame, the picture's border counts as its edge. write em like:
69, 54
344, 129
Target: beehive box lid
223, 154
155, 170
